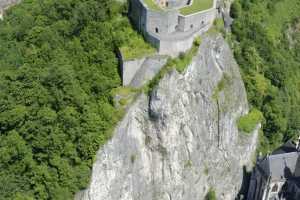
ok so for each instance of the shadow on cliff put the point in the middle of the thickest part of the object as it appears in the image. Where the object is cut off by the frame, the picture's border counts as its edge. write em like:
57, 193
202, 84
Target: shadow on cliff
242, 195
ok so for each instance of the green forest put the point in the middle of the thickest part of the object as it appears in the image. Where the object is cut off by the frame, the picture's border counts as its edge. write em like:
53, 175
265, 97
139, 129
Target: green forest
58, 68
266, 43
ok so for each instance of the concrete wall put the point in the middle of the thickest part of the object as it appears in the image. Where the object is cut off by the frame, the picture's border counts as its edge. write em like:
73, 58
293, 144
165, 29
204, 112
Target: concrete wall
129, 69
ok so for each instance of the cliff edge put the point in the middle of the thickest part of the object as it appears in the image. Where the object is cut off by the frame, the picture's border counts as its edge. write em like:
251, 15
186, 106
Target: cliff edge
183, 139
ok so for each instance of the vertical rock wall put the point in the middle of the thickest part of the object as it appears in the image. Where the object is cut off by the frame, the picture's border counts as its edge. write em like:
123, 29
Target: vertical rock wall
182, 140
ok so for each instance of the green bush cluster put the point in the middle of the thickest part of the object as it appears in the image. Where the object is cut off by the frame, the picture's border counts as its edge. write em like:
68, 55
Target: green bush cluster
248, 122
58, 70
211, 195
132, 44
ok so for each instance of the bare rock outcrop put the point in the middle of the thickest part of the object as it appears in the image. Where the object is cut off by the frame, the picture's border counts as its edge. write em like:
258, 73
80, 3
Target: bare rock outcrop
182, 140
4, 4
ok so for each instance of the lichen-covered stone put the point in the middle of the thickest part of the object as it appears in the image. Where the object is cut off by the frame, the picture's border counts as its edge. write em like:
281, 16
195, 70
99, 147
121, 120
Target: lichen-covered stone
190, 142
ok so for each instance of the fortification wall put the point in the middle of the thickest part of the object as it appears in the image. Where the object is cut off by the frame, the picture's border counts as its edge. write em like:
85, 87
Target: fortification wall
161, 22
196, 20
137, 14
129, 70
169, 31
175, 47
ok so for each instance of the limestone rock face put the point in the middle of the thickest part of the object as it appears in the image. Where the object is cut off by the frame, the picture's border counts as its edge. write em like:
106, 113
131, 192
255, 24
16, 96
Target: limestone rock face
4, 4
182, 140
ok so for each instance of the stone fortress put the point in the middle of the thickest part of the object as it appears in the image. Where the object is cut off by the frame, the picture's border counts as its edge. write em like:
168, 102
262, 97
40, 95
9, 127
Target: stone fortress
168, 29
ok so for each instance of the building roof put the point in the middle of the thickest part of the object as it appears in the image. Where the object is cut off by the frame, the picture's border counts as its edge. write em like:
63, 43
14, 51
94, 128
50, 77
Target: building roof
283, 163
286, 148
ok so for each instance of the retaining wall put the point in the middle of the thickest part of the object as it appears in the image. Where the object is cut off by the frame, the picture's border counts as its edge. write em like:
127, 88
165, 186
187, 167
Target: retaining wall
129, 69
175, 47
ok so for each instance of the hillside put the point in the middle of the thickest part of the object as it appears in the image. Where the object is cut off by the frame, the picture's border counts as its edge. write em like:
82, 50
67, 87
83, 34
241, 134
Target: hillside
57, 70
266, 43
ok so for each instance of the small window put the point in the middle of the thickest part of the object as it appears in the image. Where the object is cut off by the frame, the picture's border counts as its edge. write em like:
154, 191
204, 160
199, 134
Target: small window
156, 30
192, 26
167, 4
202, 22
275, 188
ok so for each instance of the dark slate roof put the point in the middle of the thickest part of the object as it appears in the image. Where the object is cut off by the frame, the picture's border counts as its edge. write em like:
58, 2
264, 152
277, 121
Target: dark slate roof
297, 170
284, 162
286, 148
282, 166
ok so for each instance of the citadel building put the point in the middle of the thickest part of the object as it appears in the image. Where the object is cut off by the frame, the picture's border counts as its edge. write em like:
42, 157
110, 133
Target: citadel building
277, 176
172, 25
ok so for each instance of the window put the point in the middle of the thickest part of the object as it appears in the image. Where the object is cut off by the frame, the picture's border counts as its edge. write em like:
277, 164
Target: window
167, 4
275, 188
156, 30
192, 25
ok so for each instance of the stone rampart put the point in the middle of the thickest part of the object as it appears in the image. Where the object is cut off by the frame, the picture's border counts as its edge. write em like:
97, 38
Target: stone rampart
129, 69
180, 45
162, 22
196, 20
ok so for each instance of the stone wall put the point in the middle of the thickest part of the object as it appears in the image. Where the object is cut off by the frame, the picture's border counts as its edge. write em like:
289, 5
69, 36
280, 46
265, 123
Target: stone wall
135, 73
161, 22
196, 20
175, 47
169, 31
129, 69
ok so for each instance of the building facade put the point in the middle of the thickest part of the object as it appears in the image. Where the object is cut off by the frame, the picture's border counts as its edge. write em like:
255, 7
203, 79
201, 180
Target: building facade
277, 176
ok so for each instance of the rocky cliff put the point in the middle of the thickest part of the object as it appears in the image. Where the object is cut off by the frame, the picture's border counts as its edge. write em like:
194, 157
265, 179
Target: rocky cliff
4, 4
182, 140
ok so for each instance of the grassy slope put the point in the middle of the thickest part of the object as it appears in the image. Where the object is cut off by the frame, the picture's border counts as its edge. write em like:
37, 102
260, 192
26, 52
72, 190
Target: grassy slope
197, 6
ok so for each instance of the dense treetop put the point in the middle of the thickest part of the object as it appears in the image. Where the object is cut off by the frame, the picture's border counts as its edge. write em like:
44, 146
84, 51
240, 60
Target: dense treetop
57, 70
267, 48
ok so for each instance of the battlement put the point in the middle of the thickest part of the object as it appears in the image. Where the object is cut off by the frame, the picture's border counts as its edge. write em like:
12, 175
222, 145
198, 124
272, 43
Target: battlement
172, 25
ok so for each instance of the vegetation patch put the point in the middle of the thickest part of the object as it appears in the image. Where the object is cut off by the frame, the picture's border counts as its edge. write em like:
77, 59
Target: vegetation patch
270, 64
197, 6
247, 123
222, 84
188, 164
211, 195
132, 44
152, 5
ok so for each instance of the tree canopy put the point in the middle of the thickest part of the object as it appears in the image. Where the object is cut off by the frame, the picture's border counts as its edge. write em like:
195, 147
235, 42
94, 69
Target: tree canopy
266, 39
57, 70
